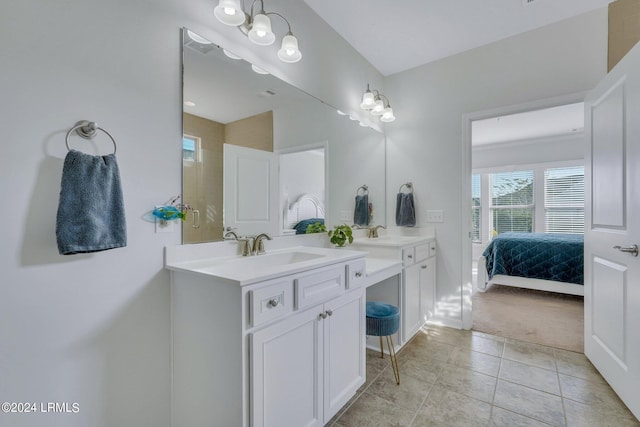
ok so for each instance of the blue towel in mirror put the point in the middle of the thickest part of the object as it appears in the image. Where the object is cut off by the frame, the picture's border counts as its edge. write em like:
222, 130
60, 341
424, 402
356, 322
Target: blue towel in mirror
405, 210
91, 209
361, 211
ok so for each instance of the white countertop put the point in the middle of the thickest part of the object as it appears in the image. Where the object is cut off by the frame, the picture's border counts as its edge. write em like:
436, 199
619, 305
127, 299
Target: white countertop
392, 240
276, 263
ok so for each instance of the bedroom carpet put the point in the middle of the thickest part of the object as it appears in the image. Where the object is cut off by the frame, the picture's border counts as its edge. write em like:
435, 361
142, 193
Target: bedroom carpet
547, 318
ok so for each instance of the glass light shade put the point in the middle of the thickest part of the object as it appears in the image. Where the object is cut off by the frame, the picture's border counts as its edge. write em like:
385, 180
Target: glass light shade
229, 12
197, 38
230, 54
260, 32
387, 116
258, 69
289, 51
378, 108
368, 100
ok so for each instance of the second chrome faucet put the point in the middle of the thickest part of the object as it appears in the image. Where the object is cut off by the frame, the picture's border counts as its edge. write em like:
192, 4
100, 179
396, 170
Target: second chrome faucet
250, 245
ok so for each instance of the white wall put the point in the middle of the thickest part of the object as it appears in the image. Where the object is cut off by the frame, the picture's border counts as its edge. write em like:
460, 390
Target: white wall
425, 143
95, 329
543, 150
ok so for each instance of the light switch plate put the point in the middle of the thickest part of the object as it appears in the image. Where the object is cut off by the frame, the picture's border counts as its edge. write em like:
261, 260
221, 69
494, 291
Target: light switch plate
435, 216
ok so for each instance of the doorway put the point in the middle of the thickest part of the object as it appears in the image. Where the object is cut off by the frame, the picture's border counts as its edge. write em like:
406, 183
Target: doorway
530, 137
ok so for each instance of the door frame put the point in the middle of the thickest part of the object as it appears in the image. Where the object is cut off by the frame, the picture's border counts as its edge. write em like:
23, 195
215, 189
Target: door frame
466, 285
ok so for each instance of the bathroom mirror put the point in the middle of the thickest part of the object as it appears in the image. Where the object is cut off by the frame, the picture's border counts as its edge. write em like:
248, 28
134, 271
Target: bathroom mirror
322, 158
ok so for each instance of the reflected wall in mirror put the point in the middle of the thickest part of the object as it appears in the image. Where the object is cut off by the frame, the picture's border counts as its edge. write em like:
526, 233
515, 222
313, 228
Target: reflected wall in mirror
320, 157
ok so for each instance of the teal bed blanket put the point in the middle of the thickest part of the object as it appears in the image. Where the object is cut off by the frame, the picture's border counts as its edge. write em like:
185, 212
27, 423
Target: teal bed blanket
558, 257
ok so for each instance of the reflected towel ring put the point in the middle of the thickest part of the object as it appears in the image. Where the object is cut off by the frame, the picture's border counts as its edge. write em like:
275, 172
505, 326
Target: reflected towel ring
364, 188
409, 186
87, 130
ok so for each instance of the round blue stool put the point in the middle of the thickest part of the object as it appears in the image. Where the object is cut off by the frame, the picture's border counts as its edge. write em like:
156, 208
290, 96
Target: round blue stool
383, 320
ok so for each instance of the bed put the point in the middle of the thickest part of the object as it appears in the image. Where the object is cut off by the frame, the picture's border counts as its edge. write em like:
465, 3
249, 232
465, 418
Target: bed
305, 210
547, 262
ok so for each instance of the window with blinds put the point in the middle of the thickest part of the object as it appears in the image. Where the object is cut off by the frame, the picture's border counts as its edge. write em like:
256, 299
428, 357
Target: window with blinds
190, 148
512, 202
476, 236
564, 200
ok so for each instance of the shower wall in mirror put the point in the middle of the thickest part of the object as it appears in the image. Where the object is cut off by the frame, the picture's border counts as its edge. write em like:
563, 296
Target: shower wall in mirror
321, 158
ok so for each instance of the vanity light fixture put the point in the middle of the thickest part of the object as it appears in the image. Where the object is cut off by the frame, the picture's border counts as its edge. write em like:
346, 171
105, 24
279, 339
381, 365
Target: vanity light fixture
257, 27
377, 104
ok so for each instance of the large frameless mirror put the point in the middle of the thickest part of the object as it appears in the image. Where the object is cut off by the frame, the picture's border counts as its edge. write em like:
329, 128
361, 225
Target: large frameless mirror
260, 155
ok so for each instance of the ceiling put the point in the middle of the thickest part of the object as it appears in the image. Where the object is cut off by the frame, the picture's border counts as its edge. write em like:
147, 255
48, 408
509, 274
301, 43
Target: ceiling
397, 35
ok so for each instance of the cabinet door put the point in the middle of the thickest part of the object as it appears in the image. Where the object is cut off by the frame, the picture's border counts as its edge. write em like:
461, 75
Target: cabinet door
411, 319
427, 289
286, 372
344, 349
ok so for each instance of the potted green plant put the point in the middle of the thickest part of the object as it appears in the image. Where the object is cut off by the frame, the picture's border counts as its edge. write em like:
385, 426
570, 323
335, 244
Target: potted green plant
340, 235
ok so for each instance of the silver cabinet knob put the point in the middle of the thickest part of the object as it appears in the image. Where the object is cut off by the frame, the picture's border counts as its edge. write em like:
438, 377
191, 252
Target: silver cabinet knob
358, 273
633, 250
273, 302
409, 256
323, 315
424, 267
329, 312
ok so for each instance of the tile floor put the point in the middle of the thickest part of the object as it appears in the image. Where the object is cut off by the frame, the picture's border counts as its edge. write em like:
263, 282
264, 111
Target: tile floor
450, 377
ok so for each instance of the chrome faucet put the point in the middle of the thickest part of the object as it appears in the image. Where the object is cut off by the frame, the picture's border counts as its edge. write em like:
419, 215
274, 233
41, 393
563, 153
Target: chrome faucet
258, 243
373, 231
230, 235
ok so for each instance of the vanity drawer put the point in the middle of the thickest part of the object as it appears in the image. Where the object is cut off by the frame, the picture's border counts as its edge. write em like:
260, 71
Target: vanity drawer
422, 252
319, 286
356, 274
408, 256
270, 301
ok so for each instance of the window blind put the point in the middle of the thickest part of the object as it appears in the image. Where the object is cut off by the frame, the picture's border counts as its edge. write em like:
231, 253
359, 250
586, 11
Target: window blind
564, 200
512, 201
476, 236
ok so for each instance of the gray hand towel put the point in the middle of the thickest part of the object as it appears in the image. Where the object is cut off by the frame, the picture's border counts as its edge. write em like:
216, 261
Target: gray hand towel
405, 210
361, 211
91, 209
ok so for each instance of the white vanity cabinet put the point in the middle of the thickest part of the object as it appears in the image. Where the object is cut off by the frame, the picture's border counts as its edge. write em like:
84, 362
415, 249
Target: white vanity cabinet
286, 351
418, 286
306, 367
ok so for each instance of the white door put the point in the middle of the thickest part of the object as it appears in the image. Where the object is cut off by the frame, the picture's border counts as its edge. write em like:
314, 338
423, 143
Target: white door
612, 227
250, 195
411, 320
286, 372
427, 289
344, 349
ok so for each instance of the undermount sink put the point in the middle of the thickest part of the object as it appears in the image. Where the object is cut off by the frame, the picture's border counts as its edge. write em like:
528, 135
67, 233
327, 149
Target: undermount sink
274, 259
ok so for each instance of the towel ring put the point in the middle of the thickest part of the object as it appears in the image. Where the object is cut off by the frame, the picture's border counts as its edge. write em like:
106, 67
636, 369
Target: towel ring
87, 130
364, 188
409, 186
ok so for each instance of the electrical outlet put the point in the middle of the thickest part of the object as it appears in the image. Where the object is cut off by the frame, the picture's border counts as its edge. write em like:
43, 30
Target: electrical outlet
435, 216
164, 226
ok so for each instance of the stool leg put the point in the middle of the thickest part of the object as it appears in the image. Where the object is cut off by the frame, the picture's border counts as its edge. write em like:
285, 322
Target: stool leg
394, 359
381, 348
